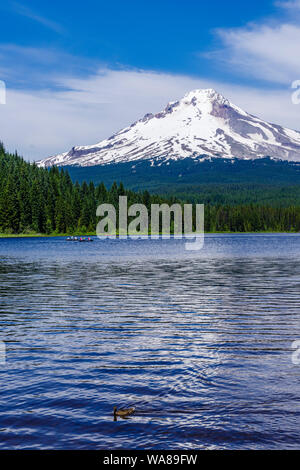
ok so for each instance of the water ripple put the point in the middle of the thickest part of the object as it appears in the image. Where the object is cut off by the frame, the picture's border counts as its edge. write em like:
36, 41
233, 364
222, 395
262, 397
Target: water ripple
200, 344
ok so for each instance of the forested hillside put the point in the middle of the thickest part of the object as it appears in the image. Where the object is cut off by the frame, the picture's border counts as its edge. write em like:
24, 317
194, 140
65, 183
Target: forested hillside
216, 181
37, 200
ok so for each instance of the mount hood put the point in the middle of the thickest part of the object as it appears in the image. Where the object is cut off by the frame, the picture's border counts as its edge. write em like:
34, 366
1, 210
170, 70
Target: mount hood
202, 124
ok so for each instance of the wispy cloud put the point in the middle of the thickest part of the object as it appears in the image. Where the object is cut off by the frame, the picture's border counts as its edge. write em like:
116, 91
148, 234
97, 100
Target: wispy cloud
83, 111
264, 51
38, 68
22, 10
267, 50
290, 5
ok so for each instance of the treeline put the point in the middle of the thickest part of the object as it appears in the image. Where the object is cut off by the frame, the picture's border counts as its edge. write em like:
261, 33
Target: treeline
251, 218
38, 200
275, 195
46, 201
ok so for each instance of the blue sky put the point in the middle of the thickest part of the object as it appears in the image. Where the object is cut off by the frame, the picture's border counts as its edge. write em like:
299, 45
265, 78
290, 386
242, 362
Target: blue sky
75, 72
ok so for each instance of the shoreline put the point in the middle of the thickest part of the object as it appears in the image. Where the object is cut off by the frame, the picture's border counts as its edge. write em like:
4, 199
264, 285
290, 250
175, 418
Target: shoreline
55, 235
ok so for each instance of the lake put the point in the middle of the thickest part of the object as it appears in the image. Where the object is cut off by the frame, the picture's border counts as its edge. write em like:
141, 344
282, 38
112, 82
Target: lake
199, 342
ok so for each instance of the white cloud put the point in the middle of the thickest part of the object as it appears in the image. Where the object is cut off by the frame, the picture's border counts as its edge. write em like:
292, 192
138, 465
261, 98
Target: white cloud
45, 122
269, 52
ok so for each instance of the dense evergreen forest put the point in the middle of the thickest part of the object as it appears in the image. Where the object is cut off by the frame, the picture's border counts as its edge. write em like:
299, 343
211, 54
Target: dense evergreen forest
214, 181
37, 200
157, 173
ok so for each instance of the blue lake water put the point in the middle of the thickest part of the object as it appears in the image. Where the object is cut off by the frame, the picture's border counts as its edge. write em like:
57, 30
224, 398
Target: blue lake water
199, 342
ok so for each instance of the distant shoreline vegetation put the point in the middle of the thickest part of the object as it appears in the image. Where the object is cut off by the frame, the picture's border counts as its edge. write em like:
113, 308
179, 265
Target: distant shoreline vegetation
94, 234
45, 201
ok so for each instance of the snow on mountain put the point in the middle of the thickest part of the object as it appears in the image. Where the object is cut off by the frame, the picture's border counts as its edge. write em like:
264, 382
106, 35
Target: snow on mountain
203, 122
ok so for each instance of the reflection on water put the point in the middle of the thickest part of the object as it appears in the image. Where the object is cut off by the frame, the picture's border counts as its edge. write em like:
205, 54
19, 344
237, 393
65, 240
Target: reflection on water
199, 343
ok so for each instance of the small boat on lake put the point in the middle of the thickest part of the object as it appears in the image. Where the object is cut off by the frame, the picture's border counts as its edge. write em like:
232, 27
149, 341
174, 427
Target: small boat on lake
72, 239
84, 239
80, 239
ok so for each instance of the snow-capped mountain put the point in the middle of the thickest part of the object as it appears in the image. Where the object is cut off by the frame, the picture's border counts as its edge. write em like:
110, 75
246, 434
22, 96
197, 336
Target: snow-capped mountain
202, 123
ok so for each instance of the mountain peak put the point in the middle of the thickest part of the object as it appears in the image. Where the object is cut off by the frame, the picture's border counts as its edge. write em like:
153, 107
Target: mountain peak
205, 95
202, 123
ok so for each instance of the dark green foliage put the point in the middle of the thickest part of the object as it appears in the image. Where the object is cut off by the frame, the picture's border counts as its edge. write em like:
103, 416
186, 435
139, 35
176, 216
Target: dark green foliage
34, 199
251, 218
216, 181
155, 174
38, 200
